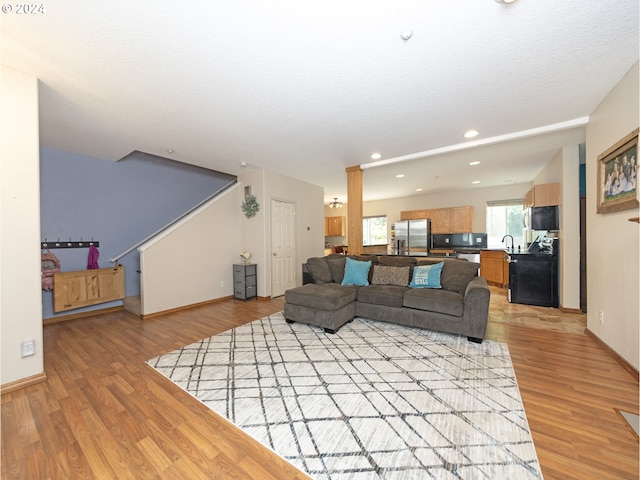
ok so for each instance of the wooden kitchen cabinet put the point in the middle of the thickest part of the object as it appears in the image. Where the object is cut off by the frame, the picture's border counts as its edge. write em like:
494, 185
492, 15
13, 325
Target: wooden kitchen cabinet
415, 214
442, 251
335, 226
461, 219
441, 220
444, 220
494, 267
542, 195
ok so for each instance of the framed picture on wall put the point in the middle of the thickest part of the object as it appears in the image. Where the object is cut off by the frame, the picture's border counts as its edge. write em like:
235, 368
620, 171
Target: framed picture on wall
618, 175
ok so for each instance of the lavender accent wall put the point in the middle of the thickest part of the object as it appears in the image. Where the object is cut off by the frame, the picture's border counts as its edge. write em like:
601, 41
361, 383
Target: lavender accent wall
116, 203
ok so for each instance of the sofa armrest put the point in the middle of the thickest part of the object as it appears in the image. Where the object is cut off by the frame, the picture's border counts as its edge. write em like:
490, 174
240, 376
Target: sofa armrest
476, 307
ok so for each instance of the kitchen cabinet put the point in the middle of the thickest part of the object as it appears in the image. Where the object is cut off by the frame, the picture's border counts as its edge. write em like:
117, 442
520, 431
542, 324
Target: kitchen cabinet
245, 282
444, 220
461, 220
442, 251
441, 220
533, 279
335, 226
415, 214
542, 195
494, 267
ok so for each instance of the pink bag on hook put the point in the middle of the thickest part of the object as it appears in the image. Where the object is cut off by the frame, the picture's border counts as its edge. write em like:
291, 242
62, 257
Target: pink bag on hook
92, 260
49, 265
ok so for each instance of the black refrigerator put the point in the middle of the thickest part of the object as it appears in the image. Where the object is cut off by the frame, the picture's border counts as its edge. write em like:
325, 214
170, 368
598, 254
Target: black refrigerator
533, 278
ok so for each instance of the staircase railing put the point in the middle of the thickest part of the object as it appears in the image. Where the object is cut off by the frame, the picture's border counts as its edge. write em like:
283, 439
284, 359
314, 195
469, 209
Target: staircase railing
174, 221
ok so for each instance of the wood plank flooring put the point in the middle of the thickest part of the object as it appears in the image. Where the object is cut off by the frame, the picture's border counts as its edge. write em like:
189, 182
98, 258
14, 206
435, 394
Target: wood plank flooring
103, 413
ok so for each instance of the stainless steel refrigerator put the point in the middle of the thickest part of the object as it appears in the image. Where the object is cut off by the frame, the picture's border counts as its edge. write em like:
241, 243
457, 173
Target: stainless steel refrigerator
412, 237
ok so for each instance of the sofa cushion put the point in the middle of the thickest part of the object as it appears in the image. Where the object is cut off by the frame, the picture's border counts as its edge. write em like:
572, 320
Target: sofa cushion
336, 267
441, 301
457, 274
356, 272
396, 261
319, 270
328, 296
386, 275
426, 276
389, 295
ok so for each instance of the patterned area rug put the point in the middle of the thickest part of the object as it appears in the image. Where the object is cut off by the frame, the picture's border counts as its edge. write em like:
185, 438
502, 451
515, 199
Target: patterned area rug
375, 400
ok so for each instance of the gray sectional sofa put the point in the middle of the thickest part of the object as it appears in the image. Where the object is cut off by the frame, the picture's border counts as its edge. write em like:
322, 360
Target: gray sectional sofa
460, 305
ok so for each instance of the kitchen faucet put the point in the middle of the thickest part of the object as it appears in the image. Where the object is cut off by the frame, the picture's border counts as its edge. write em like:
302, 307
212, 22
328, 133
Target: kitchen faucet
507, 243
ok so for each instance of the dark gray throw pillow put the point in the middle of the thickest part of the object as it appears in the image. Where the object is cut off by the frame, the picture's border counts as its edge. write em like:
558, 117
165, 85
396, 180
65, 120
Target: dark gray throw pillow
319, 270
456, 275
336, 267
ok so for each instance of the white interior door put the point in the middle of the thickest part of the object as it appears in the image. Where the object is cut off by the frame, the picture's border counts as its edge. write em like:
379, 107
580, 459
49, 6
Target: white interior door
283, 275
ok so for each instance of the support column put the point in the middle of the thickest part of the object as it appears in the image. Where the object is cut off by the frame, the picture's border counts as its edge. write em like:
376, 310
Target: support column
354, 209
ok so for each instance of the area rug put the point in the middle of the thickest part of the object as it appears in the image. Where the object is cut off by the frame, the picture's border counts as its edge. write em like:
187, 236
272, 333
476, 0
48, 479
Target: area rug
375, 400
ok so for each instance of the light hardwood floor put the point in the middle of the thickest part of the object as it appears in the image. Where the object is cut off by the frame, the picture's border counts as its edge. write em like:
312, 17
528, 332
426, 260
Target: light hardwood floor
103, 413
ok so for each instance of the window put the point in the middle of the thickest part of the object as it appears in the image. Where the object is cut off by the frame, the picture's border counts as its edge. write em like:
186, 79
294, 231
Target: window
374, 230
504, 218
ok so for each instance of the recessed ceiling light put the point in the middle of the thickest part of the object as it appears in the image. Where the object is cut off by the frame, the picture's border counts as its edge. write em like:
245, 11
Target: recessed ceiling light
400, 175
476, 182
471, 134
170, 150
506, 2
376, 156
406, 35
418, 189
474, 163
243, 164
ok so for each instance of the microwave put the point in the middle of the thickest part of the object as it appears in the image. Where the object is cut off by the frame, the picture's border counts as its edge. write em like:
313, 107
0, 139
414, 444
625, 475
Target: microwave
542, 218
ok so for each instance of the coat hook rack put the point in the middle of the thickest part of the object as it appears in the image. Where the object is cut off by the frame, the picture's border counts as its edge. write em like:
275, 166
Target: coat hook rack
70, 244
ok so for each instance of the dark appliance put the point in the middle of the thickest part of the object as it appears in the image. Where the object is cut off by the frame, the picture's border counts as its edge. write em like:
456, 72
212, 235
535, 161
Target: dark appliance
412, 237
533, 275
542, 218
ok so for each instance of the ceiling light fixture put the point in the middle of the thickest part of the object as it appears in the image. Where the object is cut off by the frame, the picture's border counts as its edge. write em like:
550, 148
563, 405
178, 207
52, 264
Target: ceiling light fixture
406, 35
475, 182
474, 163
505, 2
418, 189
335, 203
376, 156
170, 150
400, 175
471, 134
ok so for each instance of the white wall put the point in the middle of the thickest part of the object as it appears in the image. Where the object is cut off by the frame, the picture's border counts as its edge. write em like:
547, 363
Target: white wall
20, 286
564, 168
186, 264
308, 200
612, 241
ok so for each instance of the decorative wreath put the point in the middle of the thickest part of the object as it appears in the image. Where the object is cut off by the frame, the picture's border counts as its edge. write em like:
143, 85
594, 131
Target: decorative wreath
250, 206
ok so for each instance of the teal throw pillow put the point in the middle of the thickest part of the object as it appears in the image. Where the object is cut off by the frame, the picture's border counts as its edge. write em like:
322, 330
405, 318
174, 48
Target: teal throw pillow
427, 276
356, 272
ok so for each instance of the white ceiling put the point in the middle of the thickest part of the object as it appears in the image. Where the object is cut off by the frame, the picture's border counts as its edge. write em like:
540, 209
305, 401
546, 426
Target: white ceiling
307, 89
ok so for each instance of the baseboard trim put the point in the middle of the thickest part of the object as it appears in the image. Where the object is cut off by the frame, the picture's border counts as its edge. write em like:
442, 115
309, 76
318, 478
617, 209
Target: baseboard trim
23, 383
627, 366
75, 316
571, 310
184, 307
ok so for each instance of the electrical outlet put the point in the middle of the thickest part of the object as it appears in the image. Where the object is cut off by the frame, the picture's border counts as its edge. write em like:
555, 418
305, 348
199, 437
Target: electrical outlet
601, 316
222, 284
28, 348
